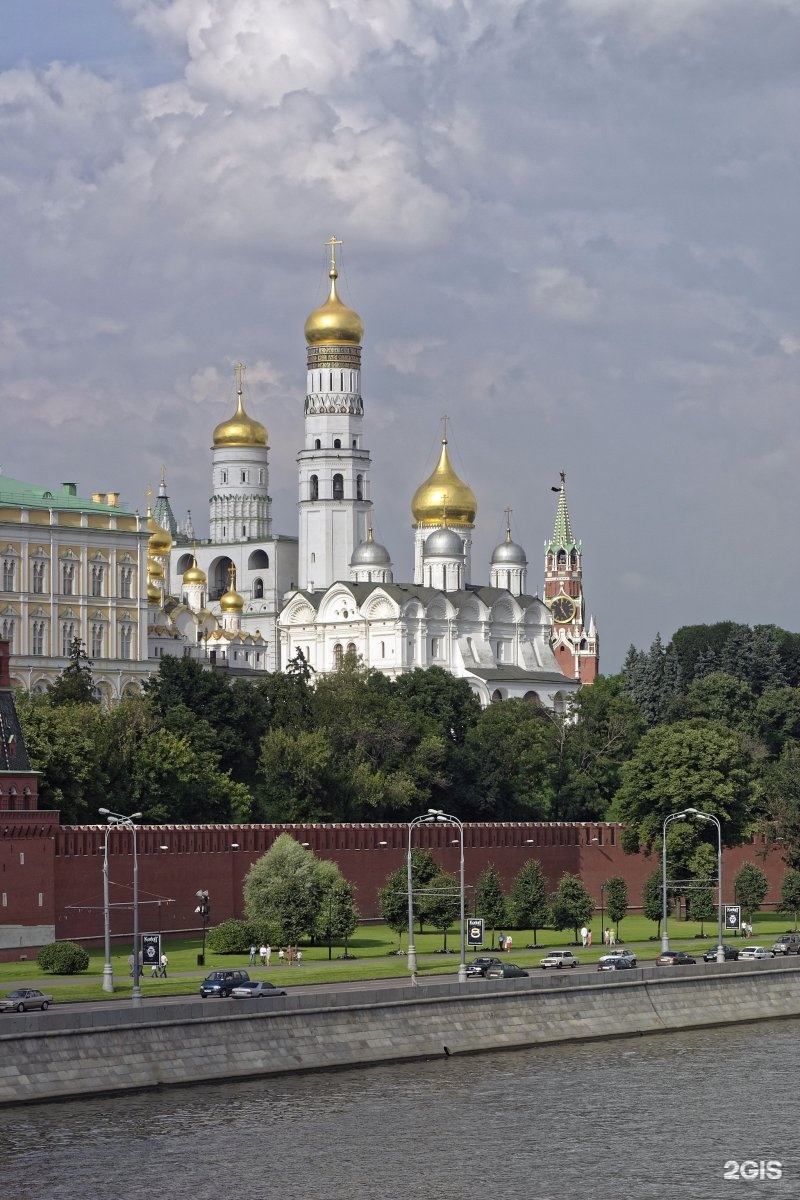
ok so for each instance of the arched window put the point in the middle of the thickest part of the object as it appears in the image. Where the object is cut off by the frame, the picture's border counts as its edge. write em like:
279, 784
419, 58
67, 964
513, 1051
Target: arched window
338, 487
258, 589
125, 641
338, 656
573, 560
125, 582
8, 632
317, 444
97, 640
258, 561
337, 443
383, 650
37, 637
562, 560
351, 647
67, 637
314, 493
67, 578
359, 487
497, 697
97, 581
8, 574
38, 578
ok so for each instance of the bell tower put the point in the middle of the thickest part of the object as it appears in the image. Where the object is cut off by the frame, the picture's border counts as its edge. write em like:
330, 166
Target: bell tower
574, 641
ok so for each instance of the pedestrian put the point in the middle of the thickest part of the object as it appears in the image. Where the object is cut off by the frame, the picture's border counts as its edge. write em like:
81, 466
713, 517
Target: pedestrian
612, 938
414, 980
163, 965
154, 969
269, 953
508, 943
251, 962
289, 955
588, 937
298, 958
606, 937
584, 935
130, 965
263, 954
280, 957
502, 941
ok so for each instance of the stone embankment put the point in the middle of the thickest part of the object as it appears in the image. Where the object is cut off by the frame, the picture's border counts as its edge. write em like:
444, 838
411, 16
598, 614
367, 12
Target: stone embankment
61, 1054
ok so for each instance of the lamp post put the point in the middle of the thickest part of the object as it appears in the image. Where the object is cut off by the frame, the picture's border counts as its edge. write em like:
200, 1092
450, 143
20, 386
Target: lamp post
432, 817
703, 816
203, 908
118, 821
603, 912
679, 816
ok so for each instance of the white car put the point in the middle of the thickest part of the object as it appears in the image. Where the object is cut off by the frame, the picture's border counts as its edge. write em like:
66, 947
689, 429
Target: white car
559, 958
629, 954
755, 952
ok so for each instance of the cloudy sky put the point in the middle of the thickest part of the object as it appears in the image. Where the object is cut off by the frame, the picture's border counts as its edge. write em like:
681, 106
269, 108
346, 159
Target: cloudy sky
569, 224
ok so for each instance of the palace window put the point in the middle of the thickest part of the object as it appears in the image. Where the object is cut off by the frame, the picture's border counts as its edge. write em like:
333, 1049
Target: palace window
125, 641
67, 578
67, 637
97, 641
38, 578
97, 581
8, 574
126, 582
7, 631
37, 637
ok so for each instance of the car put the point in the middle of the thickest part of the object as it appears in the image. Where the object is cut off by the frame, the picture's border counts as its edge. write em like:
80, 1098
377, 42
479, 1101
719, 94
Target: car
559, 959
505, 970
731, 954
787, 943
755, 952
256, 988
675, 958
222, 982
621, 953
616, 962
25, 999
479, 966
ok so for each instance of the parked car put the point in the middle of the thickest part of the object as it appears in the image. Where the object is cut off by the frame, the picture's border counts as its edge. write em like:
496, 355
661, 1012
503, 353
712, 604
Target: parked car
505, 970
675, 958
731, 954
559, 958
479, 966
256, 988
25, 999
621, 953
787, 943
616, 962
222, 982
755, 952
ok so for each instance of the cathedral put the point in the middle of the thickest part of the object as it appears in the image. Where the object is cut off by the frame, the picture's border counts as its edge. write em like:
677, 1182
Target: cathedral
248, 600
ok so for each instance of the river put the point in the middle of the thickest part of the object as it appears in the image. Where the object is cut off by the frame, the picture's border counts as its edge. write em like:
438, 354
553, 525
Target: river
622, 1119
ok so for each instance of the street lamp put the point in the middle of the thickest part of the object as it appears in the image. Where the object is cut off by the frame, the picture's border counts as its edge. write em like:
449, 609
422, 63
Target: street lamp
679, 816
702, 816
603, 911
432, 817
204, 909
118, 821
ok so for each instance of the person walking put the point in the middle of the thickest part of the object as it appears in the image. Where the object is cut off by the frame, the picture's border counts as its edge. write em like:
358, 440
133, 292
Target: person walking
163, 966
501, 941
251, 962
269, 953
612, 938
281, 956
263, 954
509, 940
584, 935
298, 958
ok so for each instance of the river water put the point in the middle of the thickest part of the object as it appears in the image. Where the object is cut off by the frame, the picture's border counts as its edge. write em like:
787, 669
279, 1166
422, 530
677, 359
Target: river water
622, 1119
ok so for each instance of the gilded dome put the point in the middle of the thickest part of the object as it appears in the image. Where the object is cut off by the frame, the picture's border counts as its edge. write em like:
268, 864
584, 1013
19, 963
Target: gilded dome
160, 542
153, 594
194, 574
241, 430
334, 323
231, 601
444, 494
154, 569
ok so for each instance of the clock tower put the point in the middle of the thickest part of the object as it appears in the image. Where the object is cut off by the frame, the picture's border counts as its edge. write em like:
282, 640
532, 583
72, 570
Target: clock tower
574, 641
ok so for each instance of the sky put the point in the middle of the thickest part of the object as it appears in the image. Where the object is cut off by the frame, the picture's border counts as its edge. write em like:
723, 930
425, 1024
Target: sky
570, 225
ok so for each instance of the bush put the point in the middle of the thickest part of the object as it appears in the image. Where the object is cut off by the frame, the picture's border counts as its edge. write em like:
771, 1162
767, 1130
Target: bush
63, 958
231, 937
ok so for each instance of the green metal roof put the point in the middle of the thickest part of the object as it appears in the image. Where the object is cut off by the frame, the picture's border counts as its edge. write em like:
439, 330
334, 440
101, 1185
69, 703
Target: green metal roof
64, 497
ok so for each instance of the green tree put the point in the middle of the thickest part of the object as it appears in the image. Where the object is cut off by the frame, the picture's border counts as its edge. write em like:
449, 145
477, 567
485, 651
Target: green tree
283, 892
702, 907
299, 776
512, 752
68, 743
780, 802
716, 697
653, 899
441, 905
698, 764
528, 899
616, 894
338, 915
490, 903
173, 780
604, 729
750, 887
570, 905
393, 897
790, 893
75, 684
776, 720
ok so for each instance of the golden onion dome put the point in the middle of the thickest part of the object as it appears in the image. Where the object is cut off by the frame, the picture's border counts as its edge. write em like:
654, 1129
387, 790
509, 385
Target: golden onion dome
241, 430
153, 594
334, 323
443, 493
160, 542
194, 574
154, 569
231, 601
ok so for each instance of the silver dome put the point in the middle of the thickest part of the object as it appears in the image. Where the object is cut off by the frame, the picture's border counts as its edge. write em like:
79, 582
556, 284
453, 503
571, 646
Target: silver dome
509, 553
370, 554
444, 543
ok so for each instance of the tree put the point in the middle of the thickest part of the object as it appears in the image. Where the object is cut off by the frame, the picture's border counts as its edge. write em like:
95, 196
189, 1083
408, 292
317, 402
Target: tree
283, 892
653, 899
790, 893
702, 907
338, 916
68, 743
528, 899
570, 905
750, 888
490, 903
780, 802
512, 753
703, 867
603, 731
716, 697
441, 905
699, 764
75, 684
616, 893
299, 776
393, 897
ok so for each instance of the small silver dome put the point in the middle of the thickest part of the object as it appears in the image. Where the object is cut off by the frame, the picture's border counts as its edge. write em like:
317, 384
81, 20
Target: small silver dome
443, 543
509, 553
370, 554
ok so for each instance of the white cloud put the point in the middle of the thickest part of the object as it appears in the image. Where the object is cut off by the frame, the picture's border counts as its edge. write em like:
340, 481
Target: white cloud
563, 295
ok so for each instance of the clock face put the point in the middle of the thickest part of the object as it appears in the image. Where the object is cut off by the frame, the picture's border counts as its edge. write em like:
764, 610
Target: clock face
563, 609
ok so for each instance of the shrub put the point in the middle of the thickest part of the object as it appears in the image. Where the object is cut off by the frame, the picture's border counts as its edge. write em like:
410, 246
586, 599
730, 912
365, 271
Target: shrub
231, 937
63, 958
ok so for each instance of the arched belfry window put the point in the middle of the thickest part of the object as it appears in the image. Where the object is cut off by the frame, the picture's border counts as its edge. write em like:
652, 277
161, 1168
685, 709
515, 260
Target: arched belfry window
314, 494
359, 487
562, 560
258, 589
337, 443
338, 487
573, 560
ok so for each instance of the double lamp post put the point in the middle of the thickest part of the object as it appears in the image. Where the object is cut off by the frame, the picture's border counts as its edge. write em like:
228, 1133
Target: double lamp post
118, 821
435, 816
694, 814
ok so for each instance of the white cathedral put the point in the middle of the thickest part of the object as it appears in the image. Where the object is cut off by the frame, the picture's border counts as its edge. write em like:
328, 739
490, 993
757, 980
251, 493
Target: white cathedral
247, 600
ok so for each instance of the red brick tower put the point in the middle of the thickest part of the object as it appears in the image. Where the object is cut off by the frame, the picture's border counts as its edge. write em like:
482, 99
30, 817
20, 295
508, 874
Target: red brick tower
575, 641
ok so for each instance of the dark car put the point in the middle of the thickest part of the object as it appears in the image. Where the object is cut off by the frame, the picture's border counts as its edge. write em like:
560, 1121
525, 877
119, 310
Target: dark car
24, 999
222, 982
675, 958
730, 952
614, 962
479, 966
255, 988
504, 970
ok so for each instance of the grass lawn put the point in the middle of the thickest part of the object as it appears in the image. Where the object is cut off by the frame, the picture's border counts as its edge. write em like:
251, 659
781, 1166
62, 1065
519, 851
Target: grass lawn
375, 949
